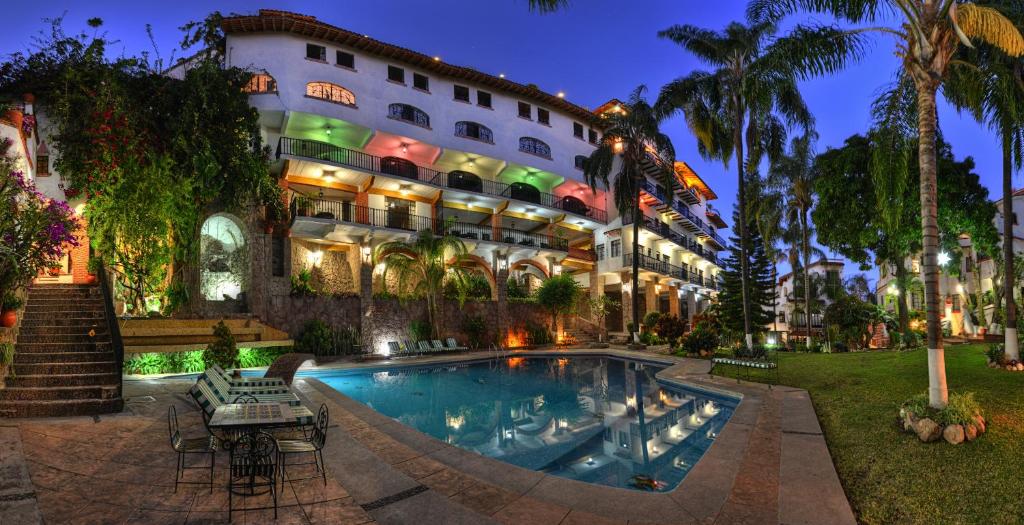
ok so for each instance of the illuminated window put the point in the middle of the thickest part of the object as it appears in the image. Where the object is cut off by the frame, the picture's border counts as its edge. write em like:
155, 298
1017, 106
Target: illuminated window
534, 147
474, 131
410, 114
330, 92
261, 83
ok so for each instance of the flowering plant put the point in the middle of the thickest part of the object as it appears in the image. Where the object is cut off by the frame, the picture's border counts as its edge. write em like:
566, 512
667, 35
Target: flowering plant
35, 231
28, 124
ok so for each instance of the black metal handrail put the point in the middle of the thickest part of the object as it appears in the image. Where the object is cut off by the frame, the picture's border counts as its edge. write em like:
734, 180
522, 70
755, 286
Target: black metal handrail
325, 152
655, 265
112, 325
347, 212
662, 229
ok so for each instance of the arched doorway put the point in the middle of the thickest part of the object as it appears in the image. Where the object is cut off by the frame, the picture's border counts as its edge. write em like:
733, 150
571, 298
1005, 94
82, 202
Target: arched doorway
223, 258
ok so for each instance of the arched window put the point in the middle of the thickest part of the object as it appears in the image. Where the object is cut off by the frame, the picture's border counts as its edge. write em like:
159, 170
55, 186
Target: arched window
330, 92
410, 114
534, 147
223, 259
580, 161
473, 130
261, 83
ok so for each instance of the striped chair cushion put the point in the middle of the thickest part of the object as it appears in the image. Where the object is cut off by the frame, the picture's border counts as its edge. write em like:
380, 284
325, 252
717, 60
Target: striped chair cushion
743, 362
228, 397
236, 382
303, 415
205, 397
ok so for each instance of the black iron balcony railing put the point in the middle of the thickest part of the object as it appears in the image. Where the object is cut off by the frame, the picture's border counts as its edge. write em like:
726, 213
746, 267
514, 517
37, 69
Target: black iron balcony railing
349, 213
680, 207
460, 180
653, 264
660, 228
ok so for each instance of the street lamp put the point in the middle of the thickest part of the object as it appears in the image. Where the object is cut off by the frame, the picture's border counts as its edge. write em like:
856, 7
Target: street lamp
943, 258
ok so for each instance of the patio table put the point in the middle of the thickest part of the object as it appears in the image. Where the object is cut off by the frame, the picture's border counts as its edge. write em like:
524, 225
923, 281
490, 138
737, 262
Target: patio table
250, 418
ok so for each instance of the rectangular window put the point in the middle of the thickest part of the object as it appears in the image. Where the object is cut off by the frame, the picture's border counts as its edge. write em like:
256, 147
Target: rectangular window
600, 252
461, 93
524, 110
543, 116
396, 74
483, 98
43, 166
577, 130
420, 82
345, 59
956, 303
616, 248
315, 52
592, 136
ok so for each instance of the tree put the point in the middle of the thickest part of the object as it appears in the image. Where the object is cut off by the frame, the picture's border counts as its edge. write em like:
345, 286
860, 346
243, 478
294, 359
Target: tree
627, 136
872, 219
741, 108
421, 265
793, 176
759, 295
927, 34
559, 294
994, 94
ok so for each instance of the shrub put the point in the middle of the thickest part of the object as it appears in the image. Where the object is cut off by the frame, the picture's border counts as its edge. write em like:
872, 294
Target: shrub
472, 286
6, 353
650, 338
917, 405
93, 266
757, 352
259, 357
166, 363
700, 338
650, 320
670, 328
419, 330
222, 351
474, 327
316, 338
996, 353
11, 302
538, 334
960, 410
559, 294
515, 290
349, 340
302, 284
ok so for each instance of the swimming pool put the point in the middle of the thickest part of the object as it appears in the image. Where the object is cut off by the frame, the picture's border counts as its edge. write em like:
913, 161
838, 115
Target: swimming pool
599, 420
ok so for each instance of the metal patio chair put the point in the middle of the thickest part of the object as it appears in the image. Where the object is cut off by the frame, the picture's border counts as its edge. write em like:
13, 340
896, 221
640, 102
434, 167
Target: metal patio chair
185, 446
314, 445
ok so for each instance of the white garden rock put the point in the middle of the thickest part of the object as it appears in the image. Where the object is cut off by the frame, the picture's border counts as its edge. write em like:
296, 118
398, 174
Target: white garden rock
953, 434
927, 430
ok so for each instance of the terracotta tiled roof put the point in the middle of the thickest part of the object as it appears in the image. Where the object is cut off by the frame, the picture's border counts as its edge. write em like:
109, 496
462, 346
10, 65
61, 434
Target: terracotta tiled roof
274, 21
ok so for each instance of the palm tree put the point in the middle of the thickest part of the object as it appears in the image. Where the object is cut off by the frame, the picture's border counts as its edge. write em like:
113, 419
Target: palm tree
421, 265
547, 6
743, 107
631, 134
927, 33
793, 175
994, 93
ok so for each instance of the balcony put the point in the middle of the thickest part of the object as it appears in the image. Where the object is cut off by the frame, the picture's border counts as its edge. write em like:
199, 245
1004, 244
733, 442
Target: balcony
583, 254
342, 212
646, 262
664, 231
458, 180
655, 197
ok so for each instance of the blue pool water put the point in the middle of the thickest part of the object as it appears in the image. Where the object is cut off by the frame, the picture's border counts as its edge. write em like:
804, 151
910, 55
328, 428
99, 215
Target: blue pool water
594, 419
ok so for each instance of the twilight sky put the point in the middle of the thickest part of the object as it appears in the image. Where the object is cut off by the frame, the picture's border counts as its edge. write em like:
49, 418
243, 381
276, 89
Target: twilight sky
595, 50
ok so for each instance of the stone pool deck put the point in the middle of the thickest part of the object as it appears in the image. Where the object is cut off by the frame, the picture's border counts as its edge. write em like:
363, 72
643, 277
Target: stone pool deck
769, 464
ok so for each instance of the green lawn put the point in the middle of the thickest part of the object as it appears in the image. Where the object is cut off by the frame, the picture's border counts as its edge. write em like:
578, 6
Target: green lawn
889, 476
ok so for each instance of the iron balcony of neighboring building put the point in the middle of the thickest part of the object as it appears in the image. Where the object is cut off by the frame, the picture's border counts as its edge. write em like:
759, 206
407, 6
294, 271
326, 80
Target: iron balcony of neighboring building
343, 221
664, 231
454, 180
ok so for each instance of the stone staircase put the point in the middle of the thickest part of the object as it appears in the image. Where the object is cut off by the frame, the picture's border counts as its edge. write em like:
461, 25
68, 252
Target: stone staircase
64, 359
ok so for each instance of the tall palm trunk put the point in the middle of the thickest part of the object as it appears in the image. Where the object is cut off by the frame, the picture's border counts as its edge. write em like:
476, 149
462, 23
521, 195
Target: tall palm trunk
737, 137
903, 310
1010, 333
926, 123
637, 214
806, 248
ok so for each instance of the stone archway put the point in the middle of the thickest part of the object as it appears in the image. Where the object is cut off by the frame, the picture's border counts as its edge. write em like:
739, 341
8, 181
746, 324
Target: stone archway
223, 258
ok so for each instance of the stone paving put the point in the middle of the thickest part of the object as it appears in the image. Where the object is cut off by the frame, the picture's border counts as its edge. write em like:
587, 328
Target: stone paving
769, 465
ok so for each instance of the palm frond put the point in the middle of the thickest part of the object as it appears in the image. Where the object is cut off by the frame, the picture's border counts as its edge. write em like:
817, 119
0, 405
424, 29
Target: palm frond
848, 10
989, 25
547, 6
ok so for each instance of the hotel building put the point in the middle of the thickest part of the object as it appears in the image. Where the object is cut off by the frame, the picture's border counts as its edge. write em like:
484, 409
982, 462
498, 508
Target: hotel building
373, 142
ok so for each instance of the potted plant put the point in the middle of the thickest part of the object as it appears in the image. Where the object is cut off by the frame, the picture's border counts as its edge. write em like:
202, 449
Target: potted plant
304, 205
54, 271
92, 270
9, 309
